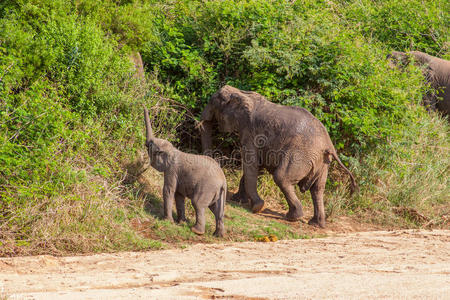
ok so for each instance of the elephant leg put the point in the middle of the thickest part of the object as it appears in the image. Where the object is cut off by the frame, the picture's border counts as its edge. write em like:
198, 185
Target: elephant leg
179, 202
295, 207
317, 190
430, 101
169, 191
220, 227
241, 195
199, 227
250, 180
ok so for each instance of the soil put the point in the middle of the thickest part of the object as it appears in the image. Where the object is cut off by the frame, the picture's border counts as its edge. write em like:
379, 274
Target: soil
361, 265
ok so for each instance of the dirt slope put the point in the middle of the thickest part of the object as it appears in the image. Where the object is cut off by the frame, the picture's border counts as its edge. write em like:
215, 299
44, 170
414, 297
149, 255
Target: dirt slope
396, 264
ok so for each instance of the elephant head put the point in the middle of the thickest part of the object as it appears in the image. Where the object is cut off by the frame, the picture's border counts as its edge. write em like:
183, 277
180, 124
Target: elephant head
160, 152
397, 59
230, 108
402, 59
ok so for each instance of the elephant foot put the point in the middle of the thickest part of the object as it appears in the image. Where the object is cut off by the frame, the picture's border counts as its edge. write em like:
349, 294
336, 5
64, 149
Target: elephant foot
257, 206
219, 233
315, 222
198, 230
237, 198
170, 219
294, 215
181, 220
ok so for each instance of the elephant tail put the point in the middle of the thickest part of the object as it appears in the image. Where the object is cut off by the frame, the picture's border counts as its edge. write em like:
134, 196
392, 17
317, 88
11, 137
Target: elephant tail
222, 199
354, 187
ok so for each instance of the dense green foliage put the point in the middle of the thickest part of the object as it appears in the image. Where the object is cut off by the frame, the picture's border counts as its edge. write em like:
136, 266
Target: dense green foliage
70, 106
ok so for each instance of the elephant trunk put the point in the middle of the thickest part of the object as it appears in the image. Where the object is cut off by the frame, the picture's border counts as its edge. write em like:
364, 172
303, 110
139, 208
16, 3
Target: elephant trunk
148, 127
206, 126
206, 134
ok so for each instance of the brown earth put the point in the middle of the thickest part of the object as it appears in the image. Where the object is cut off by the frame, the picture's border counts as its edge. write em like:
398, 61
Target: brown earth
380, 264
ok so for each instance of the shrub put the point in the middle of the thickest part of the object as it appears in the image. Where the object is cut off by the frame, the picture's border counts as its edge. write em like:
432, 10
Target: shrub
294, 53
400, 25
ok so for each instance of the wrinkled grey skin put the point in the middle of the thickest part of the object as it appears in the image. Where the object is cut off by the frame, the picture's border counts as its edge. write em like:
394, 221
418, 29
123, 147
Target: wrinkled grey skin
436, 72
289, 142
197, 177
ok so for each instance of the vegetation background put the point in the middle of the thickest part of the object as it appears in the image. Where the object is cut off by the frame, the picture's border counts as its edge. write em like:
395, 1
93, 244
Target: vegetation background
71, 130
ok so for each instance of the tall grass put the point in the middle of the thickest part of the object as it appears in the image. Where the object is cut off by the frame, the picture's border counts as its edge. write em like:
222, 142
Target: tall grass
408, 173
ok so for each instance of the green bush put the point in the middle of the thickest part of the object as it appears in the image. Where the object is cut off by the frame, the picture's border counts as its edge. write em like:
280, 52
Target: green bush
400, 24
69, 107
293, 53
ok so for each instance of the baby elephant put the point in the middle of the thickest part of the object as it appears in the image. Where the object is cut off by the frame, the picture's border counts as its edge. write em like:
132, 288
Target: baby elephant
197, 177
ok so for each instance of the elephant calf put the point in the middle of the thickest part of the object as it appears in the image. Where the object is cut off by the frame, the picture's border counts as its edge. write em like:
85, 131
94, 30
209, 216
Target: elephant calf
436, 72
197, 177
287, 141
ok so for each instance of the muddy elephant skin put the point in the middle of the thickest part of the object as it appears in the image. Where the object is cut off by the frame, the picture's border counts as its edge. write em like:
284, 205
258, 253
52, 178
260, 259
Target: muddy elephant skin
197, 177
289, 142
437, 74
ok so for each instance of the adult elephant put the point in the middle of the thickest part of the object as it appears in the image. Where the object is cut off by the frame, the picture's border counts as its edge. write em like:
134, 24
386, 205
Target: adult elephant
287, 141
437, 73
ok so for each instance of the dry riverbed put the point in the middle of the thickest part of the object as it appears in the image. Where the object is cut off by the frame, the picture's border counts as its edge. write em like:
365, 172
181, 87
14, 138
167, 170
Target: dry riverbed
381, 264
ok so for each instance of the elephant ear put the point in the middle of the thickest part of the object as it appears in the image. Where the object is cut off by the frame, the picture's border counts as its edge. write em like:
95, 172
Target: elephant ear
162, 159
243, 102
238, 100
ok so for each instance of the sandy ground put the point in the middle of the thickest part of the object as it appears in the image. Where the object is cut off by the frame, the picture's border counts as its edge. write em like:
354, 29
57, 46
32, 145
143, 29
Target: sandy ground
382, 264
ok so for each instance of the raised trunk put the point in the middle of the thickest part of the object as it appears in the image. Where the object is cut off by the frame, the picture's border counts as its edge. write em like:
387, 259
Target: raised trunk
148, 128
